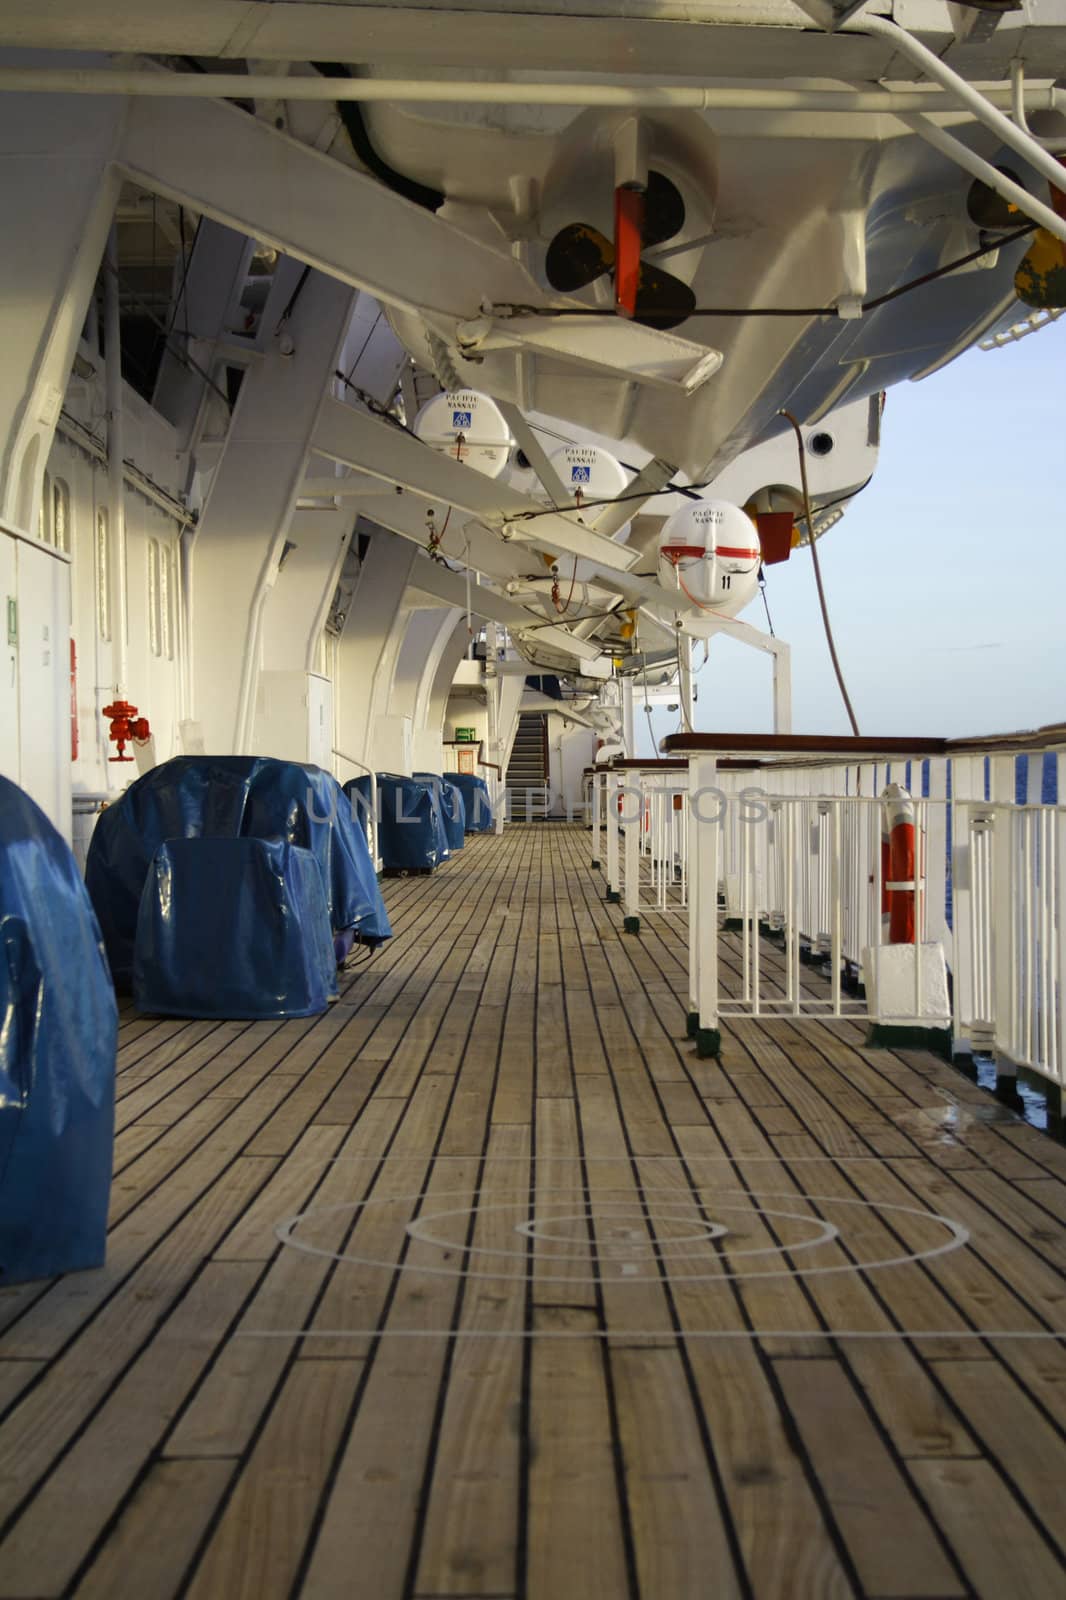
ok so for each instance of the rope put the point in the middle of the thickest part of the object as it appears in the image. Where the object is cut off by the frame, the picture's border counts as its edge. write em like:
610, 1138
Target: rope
789, 418
765, 602
513, 309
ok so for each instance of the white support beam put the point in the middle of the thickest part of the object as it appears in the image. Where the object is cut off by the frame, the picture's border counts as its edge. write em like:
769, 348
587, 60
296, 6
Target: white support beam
527, 441
247, 518
431, 578
782, 690
347, 224
304, 203
768, 644
59, 192
627, 718
386, 453
648, 481
298, 603
317, 486
632, 351
588, 656
373, 633
441, 583
152, 84
445, 35
210, 284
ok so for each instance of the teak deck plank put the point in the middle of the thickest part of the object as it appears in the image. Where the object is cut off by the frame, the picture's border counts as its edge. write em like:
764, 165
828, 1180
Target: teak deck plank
158, 1532
891, 1541
576, 1537
258, 1544
573, 1313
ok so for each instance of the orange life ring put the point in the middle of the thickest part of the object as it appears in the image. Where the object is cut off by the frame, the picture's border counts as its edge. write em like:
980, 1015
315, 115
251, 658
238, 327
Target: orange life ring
898, 866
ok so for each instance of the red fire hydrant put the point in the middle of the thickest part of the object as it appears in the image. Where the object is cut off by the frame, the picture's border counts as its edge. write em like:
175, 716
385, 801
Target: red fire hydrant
125, 725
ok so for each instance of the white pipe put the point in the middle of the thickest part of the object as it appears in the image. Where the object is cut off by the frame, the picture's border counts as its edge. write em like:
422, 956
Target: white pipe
1017, 94
1015, 138
186, 543
492, 708
782, 687
373, 825
86, 440
627, 718
235, 86
116, 477
244, 725
684, 675
978, 167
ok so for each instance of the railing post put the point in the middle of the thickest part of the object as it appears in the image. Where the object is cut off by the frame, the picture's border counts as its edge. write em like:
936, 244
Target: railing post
1057, 965
965, 933
1004, 927
597, 790
703, 905
614, 784
782, 690
836, 911
936, 859
631, 864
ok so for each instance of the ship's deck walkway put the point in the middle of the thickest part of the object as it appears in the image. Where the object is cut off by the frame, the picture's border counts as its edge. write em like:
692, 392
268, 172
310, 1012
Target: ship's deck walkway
568, 1315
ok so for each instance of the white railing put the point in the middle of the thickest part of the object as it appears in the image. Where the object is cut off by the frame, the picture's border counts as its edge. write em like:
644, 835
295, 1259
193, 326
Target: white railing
639, 837
653, 812
596, 811
1010, 916
809, 869
794, 851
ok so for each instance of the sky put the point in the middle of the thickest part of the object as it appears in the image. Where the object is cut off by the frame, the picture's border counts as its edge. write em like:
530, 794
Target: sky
945, 580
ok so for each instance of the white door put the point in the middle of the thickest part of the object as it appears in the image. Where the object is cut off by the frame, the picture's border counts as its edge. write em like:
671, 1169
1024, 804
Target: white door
9, 687
320, 722
44, 680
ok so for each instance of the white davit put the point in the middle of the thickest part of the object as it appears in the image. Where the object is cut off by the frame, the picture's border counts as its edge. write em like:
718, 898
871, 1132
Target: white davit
709, 552
469, 427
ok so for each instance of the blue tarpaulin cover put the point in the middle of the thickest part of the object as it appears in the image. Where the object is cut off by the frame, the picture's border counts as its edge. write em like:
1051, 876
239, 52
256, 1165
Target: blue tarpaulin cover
195, 797
58, 1026
452, 809
233, 928
475, 793
411, 835
357, 797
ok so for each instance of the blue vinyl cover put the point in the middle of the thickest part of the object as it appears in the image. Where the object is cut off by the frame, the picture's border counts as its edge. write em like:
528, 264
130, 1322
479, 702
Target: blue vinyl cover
411, 834
233, 928
196, 797
357, 797
452, 809
475, 793
58, 1027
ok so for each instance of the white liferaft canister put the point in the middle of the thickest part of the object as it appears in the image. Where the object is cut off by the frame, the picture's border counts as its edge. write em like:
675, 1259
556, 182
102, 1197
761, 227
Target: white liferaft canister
709, 550
469, 427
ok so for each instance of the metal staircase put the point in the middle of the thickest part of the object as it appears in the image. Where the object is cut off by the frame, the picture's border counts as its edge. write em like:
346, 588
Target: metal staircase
527, 770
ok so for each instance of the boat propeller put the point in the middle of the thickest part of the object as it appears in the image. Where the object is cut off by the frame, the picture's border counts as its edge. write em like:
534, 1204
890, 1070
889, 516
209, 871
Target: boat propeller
643, 217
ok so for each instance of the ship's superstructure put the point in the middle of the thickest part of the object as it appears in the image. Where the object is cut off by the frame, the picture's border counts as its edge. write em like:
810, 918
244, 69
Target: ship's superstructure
234, 284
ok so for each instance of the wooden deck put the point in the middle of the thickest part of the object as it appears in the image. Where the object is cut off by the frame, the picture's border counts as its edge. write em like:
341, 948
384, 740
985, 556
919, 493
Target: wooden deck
560, 1312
